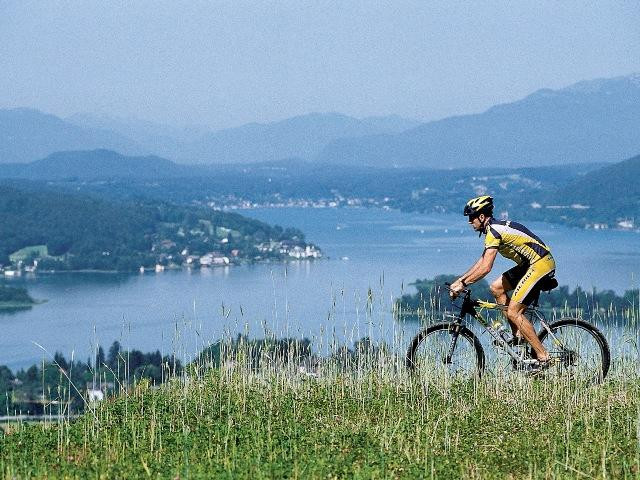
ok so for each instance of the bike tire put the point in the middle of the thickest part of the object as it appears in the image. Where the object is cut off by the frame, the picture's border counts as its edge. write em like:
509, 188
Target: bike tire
435, 341
585, 352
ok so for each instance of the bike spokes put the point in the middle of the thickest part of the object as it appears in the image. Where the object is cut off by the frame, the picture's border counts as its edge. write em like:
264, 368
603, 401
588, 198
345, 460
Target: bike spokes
440, 355
578, 352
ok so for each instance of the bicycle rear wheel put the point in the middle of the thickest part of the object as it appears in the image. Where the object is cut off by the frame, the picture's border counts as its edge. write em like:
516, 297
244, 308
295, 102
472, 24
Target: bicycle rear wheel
446, 350
579, 350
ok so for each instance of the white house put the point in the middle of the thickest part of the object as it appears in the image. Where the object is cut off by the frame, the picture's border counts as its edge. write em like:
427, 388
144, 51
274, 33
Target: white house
214, 258
192, 259
94, 395
308, 252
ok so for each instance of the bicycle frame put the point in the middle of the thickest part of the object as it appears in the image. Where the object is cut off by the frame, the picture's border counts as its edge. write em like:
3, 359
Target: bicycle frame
575, 355
473, 308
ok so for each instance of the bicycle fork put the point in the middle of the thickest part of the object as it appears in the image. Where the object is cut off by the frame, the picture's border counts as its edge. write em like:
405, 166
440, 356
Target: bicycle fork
454, 340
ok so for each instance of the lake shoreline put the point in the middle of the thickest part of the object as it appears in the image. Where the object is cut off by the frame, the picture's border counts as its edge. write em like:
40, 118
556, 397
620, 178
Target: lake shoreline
387, 250
171, 268
411, 212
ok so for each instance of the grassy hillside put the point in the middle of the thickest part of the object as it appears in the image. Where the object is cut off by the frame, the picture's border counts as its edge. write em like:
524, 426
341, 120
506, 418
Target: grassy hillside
276, 409
363, 423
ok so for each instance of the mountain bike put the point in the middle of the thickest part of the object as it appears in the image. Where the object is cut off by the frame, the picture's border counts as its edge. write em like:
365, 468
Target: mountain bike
578, 350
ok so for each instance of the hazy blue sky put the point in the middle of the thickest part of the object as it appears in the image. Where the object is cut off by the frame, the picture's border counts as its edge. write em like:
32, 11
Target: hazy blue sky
226, 63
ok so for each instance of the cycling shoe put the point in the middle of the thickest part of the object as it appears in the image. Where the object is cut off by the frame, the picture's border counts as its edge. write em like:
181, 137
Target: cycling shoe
536, 367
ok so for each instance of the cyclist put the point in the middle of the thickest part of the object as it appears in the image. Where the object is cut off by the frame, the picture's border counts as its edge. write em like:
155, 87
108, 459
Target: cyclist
534, 262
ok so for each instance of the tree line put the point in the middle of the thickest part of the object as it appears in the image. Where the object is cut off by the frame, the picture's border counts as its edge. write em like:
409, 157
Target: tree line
60, 385
433, 295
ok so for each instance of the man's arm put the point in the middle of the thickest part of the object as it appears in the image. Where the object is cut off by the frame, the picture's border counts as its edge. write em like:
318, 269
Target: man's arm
470, 271
478, 271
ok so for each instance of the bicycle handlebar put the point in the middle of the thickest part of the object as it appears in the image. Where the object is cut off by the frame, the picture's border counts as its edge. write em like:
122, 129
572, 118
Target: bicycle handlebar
466, 291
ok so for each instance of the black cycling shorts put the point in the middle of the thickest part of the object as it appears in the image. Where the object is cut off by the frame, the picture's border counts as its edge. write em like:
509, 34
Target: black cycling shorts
526, 279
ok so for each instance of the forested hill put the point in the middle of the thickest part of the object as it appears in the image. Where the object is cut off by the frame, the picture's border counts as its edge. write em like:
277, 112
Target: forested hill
607, 196
70, 231
101, 164
611, 190
95, 164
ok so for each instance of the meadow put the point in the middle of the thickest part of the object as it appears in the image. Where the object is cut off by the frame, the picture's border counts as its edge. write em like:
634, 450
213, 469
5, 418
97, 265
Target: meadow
363, 418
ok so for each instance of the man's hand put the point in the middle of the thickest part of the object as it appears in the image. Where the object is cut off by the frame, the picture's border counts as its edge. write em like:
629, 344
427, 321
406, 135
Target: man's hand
455, 289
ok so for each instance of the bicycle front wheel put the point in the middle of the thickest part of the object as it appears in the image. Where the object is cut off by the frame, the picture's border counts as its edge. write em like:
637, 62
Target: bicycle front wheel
578, 349
446, 350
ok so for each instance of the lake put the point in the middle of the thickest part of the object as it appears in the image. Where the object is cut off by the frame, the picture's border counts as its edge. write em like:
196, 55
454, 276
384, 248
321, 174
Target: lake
373, 256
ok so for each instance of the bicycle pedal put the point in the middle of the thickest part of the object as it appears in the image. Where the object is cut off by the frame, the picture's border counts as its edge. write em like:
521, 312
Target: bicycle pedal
536, 367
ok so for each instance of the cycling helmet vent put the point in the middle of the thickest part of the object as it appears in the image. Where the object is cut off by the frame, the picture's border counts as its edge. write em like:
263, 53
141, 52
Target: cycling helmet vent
478, 205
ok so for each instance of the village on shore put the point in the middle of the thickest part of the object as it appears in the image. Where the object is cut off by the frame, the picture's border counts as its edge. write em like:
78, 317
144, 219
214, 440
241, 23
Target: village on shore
283, 250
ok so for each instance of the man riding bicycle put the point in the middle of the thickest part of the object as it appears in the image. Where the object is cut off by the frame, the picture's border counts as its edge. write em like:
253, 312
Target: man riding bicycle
534, 262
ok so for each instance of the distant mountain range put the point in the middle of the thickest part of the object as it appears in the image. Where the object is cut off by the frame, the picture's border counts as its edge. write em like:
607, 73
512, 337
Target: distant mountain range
595, 121
591, 121
577, 194
27, 135
302, 136
100, 165
96, 165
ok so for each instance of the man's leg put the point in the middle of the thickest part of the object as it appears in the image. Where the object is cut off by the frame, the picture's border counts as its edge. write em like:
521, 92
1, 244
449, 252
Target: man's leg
515, 314
499, 289
521, 297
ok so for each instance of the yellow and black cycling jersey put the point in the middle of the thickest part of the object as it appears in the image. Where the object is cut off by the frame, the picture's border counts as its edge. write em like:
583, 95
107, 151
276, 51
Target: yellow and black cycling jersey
514, 241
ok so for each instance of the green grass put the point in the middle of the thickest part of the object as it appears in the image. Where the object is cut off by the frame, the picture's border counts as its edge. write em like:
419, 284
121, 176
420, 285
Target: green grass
26, 252
364, 423
354, 416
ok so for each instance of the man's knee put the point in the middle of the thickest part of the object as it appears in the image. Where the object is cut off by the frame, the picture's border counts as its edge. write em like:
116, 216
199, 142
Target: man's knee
497, 288
514, 310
